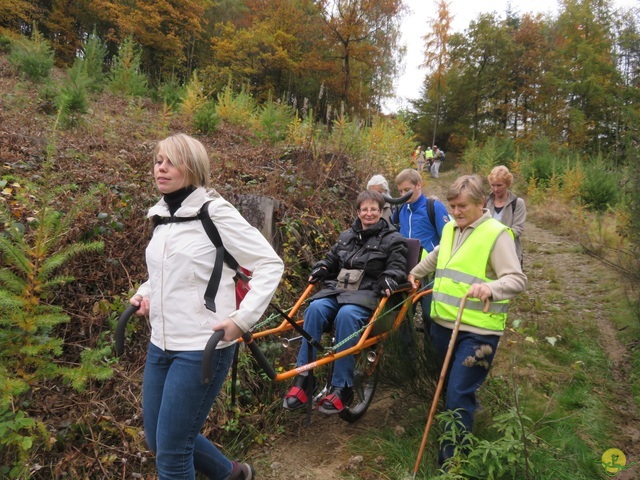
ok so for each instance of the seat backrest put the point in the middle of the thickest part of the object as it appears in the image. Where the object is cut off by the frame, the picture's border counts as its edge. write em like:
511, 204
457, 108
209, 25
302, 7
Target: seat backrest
413, 253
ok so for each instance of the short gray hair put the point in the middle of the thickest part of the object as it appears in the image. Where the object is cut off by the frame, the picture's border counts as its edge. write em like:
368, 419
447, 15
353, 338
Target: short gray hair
469, 184
379, 180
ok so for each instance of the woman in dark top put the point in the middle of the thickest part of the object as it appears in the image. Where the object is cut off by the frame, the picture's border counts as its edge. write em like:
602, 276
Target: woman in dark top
369, 260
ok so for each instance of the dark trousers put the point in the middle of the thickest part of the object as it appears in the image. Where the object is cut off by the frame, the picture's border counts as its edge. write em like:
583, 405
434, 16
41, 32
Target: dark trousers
464, 376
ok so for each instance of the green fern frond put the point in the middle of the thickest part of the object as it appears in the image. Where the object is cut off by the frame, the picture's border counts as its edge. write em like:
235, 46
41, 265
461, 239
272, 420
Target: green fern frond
9, 302
50, 346
15, 253
56, 282
92, 367
11, 281
61, 257
52, 319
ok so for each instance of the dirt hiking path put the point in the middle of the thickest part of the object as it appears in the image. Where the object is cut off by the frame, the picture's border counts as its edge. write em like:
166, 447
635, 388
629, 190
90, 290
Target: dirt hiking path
319, 451
579, 285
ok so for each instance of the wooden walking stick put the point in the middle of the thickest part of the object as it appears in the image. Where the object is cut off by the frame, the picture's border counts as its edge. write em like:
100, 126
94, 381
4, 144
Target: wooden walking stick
443, 374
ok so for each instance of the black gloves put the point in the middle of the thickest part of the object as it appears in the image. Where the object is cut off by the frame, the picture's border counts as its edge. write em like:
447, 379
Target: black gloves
318, 274
387, 283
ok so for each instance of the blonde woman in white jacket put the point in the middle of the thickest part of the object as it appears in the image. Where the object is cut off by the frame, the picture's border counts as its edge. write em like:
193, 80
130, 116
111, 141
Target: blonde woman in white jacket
180, 260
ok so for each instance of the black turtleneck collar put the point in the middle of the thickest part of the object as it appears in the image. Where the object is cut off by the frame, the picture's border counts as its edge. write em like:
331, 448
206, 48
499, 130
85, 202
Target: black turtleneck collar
175, 199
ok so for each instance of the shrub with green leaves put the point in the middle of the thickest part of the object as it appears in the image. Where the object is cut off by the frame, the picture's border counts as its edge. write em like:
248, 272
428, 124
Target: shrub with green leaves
125, 77
95, 52
33, 56
33, 253
505, 457
481, 159
600, 188
72, 99
205, 118
171, 93
5, 44
542, 167
237, 109
274, 119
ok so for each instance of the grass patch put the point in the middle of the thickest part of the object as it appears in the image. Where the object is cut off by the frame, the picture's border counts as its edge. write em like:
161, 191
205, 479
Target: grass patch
552, 366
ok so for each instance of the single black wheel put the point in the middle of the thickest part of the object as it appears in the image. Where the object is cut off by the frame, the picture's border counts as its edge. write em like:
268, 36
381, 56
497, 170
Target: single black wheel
365, 381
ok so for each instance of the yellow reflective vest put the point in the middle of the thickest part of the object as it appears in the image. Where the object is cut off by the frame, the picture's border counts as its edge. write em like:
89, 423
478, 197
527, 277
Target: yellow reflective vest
456, 273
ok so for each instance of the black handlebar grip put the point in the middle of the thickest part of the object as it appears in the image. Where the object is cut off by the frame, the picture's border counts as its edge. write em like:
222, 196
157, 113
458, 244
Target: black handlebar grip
397, 201
122, 327
207, 356
259, 356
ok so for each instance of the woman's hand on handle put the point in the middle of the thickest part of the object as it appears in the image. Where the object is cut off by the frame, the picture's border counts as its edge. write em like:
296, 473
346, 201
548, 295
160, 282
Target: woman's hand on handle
142, 303
480, 291
231, 331
413, 281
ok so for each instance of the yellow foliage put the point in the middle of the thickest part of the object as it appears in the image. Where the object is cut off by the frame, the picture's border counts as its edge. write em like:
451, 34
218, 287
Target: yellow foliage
572, 182
553, 191
535, 194
195, 96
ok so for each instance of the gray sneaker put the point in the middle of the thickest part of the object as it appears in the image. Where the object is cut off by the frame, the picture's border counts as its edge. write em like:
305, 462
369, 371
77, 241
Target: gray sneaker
242, 471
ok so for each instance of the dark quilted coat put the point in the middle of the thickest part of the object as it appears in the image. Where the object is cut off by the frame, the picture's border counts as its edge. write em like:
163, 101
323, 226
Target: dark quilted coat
380, 250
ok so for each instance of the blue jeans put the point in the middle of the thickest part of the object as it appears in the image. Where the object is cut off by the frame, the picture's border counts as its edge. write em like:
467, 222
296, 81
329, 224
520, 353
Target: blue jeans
175, 406
462, 381
319, 316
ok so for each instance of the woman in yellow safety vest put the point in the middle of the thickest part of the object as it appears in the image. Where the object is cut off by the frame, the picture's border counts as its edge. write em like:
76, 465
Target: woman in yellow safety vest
476, 257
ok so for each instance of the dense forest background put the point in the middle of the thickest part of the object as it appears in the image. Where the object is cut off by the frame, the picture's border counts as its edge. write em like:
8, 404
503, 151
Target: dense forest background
286, 95
572, 78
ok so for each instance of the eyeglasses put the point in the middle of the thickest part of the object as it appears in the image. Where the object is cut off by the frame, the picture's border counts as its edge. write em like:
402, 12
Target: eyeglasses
369, 210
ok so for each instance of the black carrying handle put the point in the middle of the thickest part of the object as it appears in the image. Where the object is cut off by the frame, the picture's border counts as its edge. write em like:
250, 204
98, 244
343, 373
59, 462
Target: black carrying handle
122, 328
207, 356
399, 200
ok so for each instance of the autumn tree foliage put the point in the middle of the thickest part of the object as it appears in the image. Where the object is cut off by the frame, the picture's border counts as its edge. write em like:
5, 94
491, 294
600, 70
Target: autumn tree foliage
364, 36
322, 53
436, 57
15, 14
280, 51
569, 79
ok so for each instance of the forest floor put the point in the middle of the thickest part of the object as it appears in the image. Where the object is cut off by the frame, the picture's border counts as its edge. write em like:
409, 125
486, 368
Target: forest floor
320, 451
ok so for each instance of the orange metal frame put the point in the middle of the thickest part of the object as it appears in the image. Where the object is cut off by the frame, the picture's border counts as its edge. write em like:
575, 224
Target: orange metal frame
365, 339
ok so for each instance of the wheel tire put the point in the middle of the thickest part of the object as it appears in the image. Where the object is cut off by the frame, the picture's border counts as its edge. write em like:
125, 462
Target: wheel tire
365, 381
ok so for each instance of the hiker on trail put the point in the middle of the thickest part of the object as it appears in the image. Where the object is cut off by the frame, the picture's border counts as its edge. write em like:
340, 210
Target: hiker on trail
428, 154
379, 184
422, 218
180, 261
419, 159
368, 260
505, 206
476, 256
438, 157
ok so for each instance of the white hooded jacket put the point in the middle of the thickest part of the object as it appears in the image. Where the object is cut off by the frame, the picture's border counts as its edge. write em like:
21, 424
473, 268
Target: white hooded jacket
180, 258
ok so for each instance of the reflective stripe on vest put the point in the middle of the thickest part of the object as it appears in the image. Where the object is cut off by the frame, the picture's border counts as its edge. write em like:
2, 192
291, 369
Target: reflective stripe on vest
455, 275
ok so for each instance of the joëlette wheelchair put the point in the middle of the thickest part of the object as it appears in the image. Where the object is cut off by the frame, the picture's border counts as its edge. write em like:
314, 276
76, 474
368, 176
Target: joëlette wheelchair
387, 318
